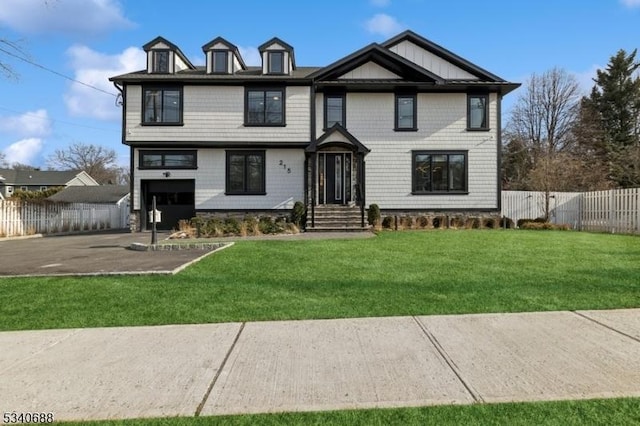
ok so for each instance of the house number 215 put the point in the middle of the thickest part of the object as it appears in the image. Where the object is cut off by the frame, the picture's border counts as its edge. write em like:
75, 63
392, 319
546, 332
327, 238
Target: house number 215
284, 166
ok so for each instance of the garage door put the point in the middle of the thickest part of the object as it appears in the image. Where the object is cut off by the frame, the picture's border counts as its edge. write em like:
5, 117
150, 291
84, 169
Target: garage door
174, 198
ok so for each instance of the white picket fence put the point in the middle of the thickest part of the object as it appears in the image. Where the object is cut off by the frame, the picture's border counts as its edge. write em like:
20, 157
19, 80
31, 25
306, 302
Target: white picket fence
615, 211
19, 218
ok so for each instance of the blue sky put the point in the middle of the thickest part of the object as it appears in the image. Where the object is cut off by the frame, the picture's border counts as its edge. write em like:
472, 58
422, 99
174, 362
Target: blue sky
91, 40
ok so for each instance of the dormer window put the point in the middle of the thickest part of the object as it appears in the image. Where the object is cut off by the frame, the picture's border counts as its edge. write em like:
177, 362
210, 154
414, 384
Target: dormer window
161, 61
220, 62
276, 62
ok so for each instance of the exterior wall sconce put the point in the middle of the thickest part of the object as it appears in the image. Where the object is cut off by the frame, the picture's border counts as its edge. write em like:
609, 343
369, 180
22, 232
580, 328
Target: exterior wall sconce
166, 174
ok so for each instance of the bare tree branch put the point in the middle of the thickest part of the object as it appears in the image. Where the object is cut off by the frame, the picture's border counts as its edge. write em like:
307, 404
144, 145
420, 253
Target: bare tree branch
99, 162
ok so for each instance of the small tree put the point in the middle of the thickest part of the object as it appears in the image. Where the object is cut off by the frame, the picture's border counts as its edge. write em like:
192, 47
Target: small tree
95, 160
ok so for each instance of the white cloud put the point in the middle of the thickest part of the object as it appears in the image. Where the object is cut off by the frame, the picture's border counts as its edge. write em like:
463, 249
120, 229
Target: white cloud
63, 16
383, 24
585, 79
30, 124
24, 151
250, 56
380, 3
95, 68
630, 3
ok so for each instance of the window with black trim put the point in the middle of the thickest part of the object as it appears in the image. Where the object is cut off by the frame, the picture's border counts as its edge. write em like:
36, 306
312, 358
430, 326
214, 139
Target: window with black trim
478, 112
334, 111
406, 112
161, 61
439, 171
245, 173
220, 62
275, 62
264, 107
153, 159
162, 105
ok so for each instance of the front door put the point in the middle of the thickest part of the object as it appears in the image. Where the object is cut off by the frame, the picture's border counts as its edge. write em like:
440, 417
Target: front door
334, 178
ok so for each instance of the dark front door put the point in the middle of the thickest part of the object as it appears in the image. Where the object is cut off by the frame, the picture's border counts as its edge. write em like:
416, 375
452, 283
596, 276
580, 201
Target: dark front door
175, 199
334, 178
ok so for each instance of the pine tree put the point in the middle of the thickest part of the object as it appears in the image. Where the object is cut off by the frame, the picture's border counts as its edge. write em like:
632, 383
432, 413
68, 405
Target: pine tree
616, 101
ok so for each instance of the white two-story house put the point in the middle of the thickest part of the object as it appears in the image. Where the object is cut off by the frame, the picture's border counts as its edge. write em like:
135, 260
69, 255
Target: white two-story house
405, 124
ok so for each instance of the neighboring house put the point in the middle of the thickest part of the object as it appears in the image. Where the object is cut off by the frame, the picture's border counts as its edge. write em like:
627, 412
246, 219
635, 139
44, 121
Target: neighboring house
39, 180
104, 194
405, 124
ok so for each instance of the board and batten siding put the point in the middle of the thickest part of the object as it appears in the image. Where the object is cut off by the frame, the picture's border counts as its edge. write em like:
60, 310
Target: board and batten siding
216, 113
429, 61
442, 123
283, 188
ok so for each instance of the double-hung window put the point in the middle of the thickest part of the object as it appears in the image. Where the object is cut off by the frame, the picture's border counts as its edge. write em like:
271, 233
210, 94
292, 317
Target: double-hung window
275, 62
439, 172
162, 105
334, 111
477, 112
161, 61
245, 173
220, 62
264, 107
406, 113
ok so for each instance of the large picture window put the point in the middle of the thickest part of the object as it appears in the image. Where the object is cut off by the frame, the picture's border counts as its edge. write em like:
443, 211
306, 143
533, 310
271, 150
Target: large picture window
438, 171
264, 107
478, 112
406, 112
334, 111
151, 159
245, 173
162, 105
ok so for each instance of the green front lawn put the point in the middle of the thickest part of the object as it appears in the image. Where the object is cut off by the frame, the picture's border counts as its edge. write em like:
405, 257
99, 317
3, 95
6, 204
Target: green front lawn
608, 412
403, 273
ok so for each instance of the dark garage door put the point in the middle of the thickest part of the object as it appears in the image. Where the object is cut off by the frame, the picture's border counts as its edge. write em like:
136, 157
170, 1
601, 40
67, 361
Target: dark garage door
174, 198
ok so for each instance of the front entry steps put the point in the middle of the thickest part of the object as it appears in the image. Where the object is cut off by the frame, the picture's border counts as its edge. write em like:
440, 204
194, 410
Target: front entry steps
336, 218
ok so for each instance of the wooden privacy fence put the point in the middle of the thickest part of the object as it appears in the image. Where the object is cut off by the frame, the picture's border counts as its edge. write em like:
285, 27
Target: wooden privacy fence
19, 218
615, 210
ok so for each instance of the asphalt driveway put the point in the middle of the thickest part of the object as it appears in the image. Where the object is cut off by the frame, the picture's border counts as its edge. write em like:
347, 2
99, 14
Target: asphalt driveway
97, 253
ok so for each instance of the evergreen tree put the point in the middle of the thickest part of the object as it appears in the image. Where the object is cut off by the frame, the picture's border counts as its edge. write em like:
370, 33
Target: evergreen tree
615, 100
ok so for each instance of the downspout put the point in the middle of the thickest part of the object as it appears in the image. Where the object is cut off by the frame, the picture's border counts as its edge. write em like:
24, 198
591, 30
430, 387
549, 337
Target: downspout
312, 133
499, 139
123, 93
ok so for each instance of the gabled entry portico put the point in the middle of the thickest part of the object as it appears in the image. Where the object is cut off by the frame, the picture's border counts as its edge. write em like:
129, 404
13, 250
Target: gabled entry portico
336, 171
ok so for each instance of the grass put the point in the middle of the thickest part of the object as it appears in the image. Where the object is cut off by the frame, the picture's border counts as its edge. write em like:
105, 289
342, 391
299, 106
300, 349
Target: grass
404, 273
623, 411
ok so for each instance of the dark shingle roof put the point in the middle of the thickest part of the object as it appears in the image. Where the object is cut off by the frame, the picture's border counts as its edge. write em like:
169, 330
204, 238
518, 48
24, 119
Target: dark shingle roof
104, 194
37, 177
200, 74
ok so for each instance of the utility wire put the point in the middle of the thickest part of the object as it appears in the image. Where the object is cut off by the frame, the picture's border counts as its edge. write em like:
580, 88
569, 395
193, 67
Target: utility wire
35, 64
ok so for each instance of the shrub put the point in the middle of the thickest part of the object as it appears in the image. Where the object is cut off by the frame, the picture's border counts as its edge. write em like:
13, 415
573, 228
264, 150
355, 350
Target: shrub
439, 222
232, 226
387, 222
545, 226
23, 195
406, 222
197, 223
489, 223
422, 222
506, 223
373, 215
250, 224
299, 214
214, 227
457, 222
267, 225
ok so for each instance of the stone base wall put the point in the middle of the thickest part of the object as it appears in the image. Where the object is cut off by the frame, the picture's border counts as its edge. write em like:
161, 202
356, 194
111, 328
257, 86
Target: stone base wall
240, 214
134, 221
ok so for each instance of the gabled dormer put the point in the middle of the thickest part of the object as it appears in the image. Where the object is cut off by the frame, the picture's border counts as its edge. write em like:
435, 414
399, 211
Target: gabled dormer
222, 57
277, 57
164, 57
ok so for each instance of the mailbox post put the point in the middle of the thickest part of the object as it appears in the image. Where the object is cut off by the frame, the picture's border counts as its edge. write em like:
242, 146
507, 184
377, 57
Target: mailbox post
154, 220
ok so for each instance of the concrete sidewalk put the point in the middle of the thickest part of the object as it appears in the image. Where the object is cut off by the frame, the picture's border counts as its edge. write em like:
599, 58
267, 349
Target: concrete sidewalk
256, 367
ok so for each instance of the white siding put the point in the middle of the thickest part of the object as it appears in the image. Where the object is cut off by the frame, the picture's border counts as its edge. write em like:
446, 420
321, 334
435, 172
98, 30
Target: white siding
216, 113
370, 70
429, 61
441, 126
179, 63
284, 185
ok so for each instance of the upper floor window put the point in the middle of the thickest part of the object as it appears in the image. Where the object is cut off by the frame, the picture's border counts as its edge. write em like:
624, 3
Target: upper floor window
161, 61
478, 112
264, 107
406, 112
439, 171
162, 105
334, 111
276, 62
168, 159
220, 61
